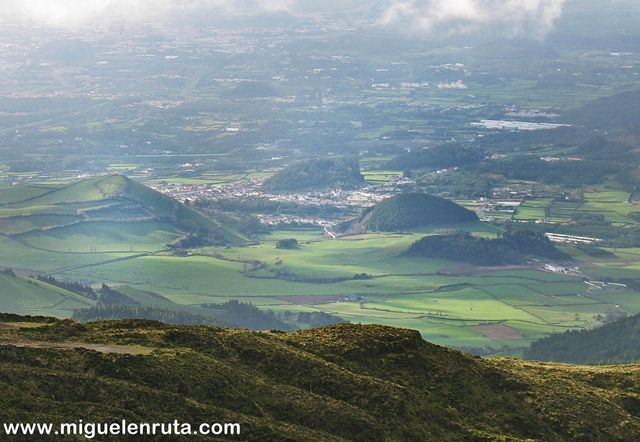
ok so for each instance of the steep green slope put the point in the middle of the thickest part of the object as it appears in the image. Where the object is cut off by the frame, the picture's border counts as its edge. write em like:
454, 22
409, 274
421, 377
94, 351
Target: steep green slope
146, 298
113, 210
410, 210
28, 296
617, 342
20, 193
347, 382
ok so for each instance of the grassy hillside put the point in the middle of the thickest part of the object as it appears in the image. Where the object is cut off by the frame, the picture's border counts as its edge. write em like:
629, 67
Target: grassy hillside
347, 382
411, 210
450, 303
616, 342
98, 220
109, 214
28, 296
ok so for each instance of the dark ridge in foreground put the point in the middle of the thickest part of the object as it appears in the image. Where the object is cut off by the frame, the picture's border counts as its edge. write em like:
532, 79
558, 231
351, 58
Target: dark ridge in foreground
344, 382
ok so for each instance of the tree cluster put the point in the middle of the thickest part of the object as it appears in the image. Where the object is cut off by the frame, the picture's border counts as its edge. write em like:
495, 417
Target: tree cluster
514, 247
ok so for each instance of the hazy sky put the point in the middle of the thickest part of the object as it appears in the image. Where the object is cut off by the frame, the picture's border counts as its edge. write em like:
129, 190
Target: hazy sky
516, 16
421, 16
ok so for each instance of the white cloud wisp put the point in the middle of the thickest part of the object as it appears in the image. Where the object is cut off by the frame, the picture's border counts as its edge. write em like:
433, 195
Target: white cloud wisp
531, 17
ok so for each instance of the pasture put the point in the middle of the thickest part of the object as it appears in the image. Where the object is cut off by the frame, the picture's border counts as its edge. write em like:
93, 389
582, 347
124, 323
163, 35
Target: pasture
27, 296
73, 233
613, 204
448, 303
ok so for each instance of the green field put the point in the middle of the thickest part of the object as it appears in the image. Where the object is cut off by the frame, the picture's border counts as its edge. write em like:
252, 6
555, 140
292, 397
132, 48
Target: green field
27, 296
448, 305
609, 202
86, 232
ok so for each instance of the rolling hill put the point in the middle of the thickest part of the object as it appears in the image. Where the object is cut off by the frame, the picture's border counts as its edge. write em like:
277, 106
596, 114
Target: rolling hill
412, 210
98, 220
106, 214
442, 156
319, 174
621, 110
339, 383
27, 296
616, 342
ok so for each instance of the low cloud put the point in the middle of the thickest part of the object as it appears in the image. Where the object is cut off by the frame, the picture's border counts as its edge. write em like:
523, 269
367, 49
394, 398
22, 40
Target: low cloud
531, 17
534, 17
74, 13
